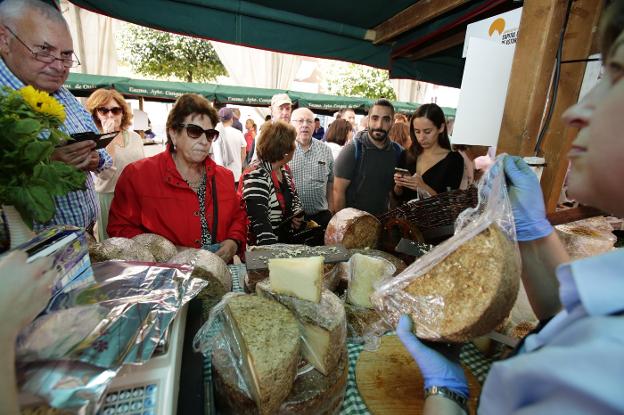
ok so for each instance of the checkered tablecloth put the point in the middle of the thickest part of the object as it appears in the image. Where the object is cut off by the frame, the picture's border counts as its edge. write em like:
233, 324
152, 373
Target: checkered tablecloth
353, 403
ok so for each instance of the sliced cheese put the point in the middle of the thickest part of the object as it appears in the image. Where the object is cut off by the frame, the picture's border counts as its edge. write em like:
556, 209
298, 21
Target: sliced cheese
269, 340
323, 326
365, 272
297, 277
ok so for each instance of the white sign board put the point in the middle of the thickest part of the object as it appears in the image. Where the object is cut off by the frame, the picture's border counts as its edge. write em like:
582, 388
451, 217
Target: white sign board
502, 29
483, 93
139, 121
593, 73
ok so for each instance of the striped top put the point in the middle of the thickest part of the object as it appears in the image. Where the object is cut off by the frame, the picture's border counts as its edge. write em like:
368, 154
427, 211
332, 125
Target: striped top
79, 208
263, 208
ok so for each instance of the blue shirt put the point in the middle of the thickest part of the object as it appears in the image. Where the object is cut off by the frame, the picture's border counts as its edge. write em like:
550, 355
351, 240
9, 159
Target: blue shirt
575, 364
79, 208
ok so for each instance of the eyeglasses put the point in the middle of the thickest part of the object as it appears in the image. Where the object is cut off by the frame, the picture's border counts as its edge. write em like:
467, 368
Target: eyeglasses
105, 111
195, 131
303, 121
45, 56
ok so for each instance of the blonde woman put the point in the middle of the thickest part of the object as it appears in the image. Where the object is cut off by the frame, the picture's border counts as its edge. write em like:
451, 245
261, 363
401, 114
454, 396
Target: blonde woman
111, 113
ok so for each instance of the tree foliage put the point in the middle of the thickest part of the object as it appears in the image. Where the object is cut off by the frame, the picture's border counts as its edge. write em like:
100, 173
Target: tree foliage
162, 54
360, 81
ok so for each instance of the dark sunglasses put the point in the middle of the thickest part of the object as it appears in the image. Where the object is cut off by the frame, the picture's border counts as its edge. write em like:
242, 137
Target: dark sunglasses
195, 131
105, 111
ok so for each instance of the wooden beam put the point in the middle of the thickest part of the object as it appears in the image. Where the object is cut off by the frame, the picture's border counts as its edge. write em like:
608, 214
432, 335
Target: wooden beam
582, 28
573, 214
443, 44
415, 15
530, 83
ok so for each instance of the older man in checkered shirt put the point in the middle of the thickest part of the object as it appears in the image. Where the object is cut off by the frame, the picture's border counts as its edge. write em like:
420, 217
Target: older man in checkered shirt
313, 170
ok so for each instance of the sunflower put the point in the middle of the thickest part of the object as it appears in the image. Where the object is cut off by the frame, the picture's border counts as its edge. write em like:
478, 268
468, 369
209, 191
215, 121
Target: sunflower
42, 102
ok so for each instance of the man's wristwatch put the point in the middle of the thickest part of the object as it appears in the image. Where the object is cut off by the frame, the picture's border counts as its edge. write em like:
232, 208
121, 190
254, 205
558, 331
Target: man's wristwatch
448, 394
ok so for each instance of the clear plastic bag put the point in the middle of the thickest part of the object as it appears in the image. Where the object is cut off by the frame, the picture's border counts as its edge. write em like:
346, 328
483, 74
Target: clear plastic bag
448, 291
310, 391
362, 318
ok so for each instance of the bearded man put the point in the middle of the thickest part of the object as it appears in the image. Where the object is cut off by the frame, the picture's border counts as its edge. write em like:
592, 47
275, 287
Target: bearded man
364, 170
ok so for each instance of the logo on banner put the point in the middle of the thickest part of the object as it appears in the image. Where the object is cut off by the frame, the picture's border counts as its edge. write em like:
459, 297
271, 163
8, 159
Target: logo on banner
507, 37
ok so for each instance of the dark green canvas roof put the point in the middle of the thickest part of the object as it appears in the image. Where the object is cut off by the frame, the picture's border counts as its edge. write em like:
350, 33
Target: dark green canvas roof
84, 85
342, 30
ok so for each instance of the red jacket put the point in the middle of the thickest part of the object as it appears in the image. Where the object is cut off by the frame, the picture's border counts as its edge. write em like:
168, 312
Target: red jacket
152, 197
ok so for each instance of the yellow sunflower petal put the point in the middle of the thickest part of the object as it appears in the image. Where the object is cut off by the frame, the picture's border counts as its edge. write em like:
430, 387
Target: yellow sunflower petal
42, 102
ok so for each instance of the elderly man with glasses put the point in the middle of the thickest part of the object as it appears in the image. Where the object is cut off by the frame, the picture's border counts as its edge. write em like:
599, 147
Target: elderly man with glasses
36, 49
312, 166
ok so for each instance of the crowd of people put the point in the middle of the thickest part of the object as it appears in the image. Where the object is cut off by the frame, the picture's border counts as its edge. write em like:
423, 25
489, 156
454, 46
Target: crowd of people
206, 191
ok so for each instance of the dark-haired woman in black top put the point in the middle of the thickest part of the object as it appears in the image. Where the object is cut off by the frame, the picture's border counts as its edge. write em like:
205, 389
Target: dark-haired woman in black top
433, 167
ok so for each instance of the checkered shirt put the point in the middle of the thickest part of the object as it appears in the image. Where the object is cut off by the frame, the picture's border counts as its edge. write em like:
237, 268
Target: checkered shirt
312, 170
79, 208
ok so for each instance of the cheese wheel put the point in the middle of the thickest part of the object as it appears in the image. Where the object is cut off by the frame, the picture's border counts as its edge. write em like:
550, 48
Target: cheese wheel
312, 393
323, 325
119, 248
160, 247
469, 292
205, 265
353, 228
268, 336
360, 320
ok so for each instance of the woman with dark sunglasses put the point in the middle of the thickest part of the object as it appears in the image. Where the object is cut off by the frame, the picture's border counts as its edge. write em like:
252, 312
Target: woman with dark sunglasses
181, 193
111, 113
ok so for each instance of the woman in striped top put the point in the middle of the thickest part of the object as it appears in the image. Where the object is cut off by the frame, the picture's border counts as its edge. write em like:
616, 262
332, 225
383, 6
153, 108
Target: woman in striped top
267, 188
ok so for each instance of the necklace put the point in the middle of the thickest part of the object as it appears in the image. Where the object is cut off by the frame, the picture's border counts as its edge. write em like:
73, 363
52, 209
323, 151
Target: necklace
193, 184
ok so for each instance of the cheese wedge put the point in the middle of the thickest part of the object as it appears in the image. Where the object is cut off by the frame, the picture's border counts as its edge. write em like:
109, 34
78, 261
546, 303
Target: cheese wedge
269, 340
323, 326
365, 272
297, 277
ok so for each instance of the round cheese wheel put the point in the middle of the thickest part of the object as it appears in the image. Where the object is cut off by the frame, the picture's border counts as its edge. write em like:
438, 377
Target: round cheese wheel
312, 393
469, 292
162, 249
119, 248
353, 228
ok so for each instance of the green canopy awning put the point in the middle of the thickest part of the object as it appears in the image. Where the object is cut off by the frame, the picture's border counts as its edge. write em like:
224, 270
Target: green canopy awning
241, 95
344, 30
84, 84
164, 89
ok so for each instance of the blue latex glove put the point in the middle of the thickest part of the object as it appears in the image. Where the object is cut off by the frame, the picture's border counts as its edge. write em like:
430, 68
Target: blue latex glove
527, 201
436, 369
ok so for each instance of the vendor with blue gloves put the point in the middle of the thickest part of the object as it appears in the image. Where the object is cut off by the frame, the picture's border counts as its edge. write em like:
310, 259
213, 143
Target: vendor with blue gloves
574, 362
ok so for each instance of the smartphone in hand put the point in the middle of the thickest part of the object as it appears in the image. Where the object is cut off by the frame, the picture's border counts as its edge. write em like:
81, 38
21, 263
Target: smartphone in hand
101, 140
402, 172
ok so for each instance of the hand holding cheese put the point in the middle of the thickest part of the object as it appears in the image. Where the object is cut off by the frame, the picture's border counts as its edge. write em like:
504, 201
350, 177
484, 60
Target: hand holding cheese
435, 369
297, 277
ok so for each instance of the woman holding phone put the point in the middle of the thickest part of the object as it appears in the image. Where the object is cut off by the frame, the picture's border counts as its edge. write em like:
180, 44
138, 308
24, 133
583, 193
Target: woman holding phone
432, 167
111, 113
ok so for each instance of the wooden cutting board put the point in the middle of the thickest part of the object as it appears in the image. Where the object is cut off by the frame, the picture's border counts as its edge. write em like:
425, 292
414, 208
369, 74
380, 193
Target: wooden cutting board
389, 380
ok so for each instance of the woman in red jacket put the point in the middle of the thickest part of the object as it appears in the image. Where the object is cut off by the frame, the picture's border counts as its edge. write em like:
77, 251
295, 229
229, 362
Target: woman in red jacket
181, 193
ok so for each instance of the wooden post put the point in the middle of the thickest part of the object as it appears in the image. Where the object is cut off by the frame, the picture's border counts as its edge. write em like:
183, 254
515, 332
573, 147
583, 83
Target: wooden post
141, 103
531, 75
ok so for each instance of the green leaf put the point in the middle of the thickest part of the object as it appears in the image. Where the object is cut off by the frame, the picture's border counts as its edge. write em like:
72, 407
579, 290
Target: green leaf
37, 150
26, 126
40, 203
